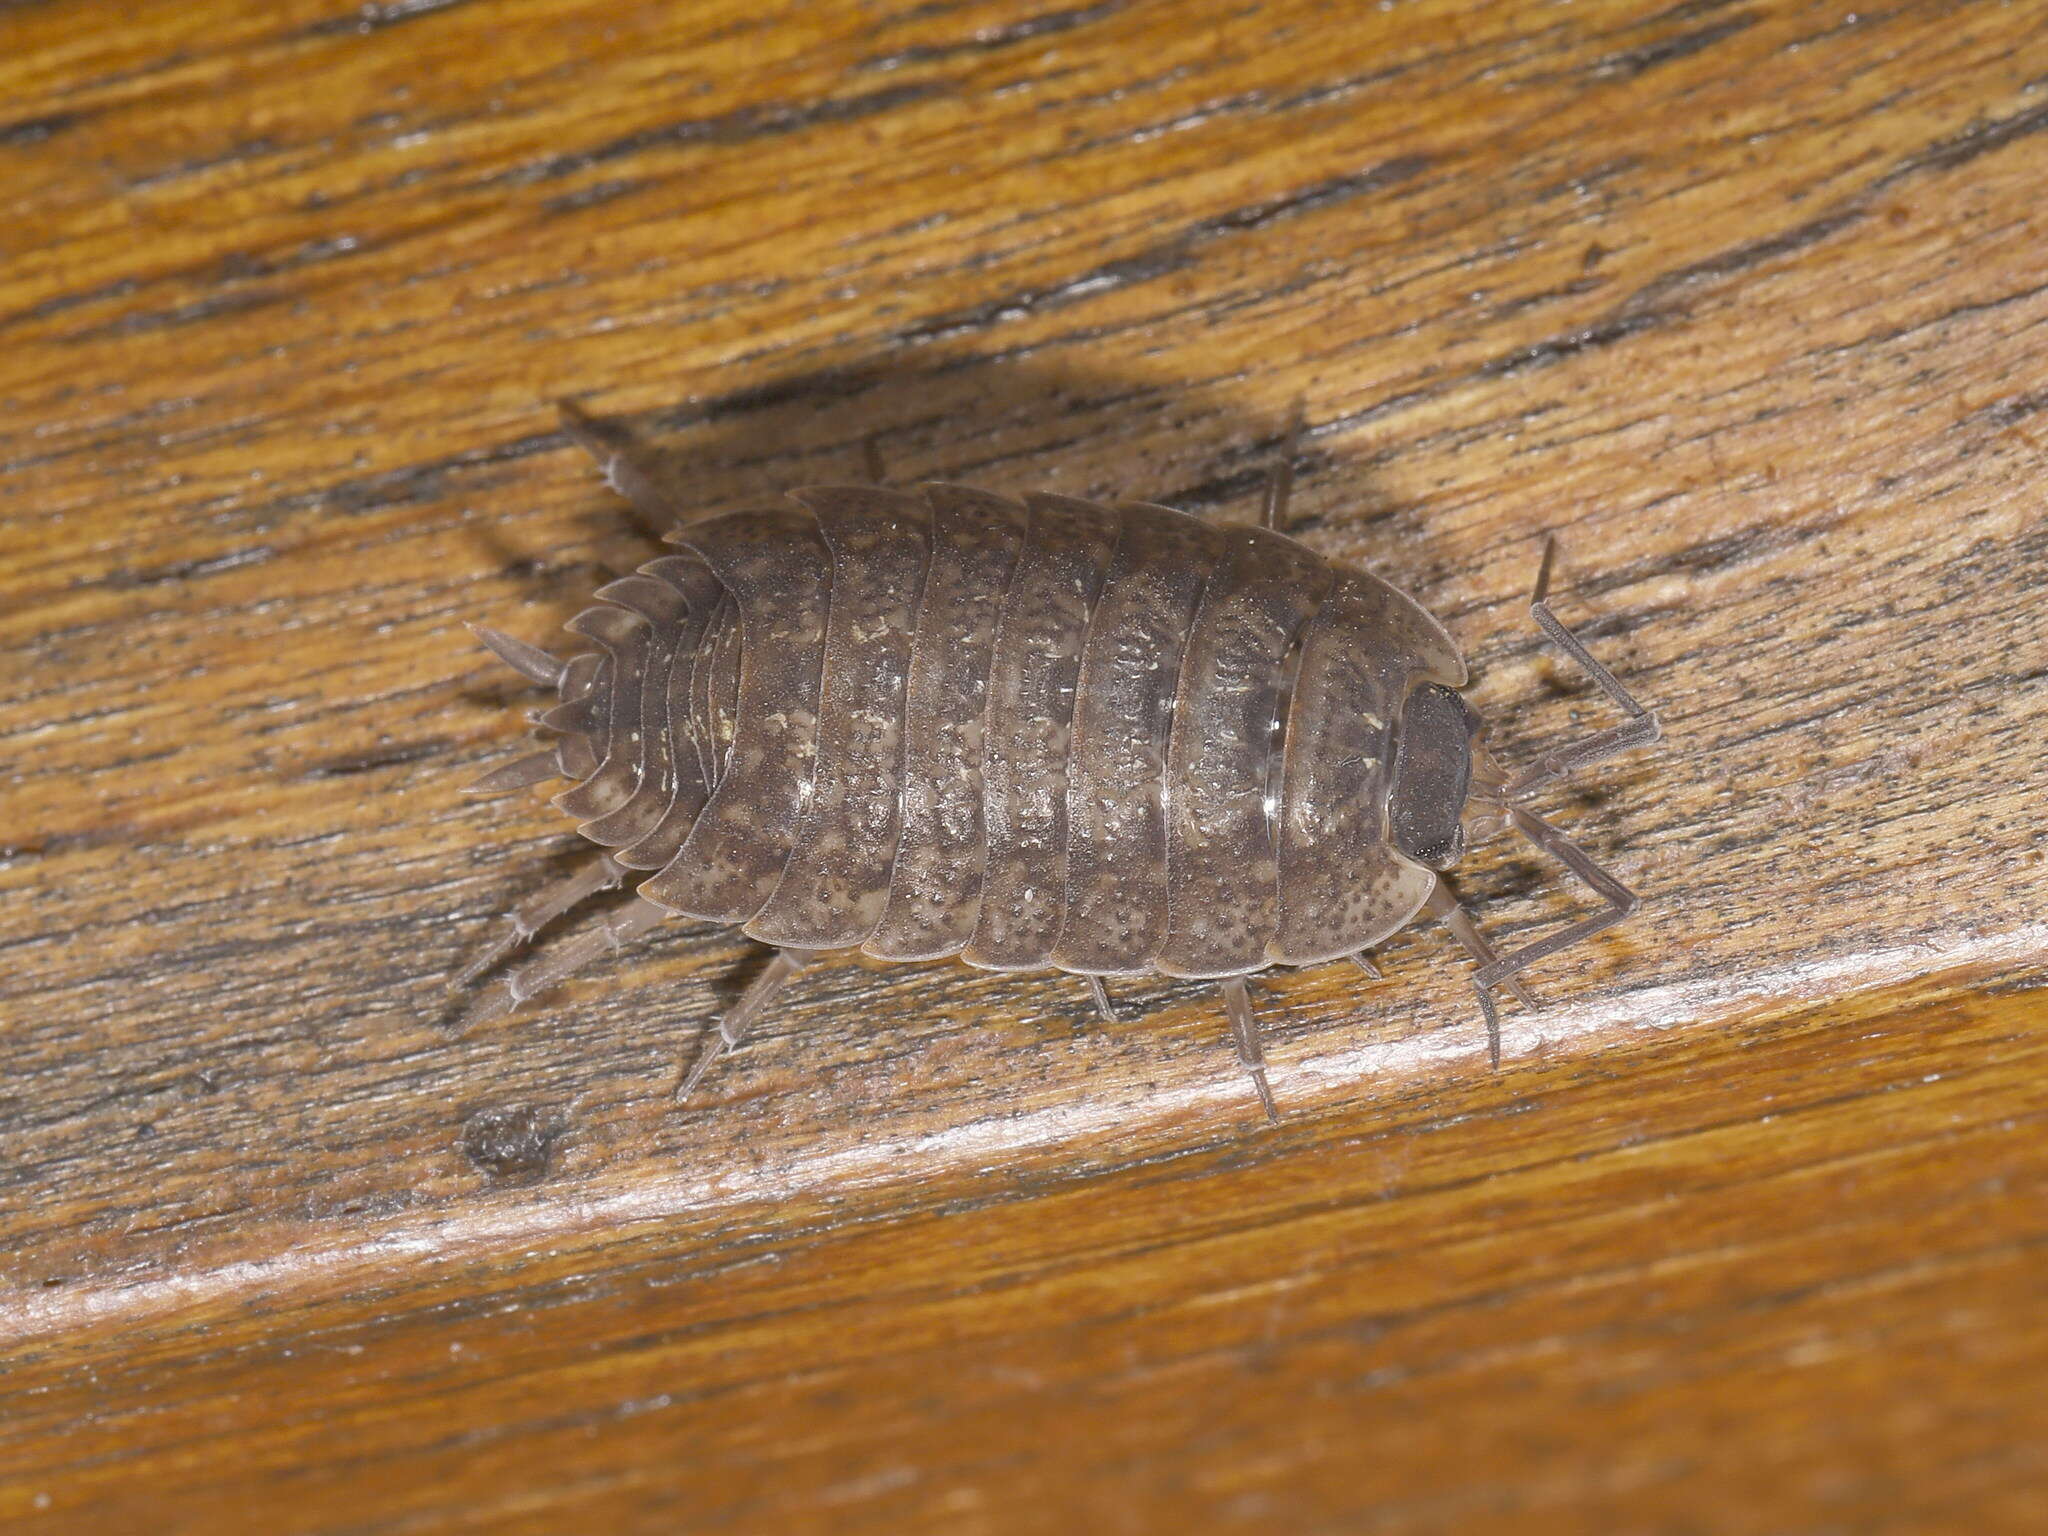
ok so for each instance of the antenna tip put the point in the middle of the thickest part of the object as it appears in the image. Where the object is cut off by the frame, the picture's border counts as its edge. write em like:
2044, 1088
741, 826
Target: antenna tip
1543, 570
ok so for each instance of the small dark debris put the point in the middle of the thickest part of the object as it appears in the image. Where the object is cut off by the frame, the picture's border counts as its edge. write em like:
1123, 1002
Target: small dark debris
511, 1143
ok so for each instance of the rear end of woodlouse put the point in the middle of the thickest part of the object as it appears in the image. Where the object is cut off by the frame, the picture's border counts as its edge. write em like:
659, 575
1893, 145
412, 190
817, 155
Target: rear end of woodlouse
1036, 734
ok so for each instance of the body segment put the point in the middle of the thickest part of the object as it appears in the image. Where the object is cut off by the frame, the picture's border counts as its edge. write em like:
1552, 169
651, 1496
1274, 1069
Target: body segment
776, 570
935, 884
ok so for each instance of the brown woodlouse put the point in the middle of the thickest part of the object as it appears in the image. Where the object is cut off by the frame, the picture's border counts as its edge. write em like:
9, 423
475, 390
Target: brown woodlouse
1047, 734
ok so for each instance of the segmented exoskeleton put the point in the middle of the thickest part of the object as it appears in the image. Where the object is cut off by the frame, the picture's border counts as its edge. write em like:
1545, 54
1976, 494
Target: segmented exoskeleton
1036, 734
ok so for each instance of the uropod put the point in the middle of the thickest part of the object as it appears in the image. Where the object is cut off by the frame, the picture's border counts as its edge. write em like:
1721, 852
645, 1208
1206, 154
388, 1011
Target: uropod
1035, 734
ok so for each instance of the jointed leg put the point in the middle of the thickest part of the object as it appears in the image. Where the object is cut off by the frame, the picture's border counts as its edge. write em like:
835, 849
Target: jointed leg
1639, 730
1245, 1033
734, 1023
1621, 901
603, 873
1442, 904
561, 961
1101, 995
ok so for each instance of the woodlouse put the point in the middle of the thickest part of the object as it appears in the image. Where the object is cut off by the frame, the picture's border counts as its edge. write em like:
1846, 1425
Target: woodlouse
1037, 734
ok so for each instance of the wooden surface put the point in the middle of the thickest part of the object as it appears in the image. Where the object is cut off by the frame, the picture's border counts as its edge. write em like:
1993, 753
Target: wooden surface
1747, 303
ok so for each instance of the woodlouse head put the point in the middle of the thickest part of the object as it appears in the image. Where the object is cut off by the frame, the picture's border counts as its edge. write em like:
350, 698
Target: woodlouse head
1445, 784
1433, 770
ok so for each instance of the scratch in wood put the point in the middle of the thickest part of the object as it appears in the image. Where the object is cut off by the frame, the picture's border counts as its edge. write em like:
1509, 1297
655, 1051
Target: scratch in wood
1742, 257
248, 149
368, 762
1633, 62
993, 39
119, 288
37, 130
376, 17
1167, 256
736, 127
1685, 10
594, 194
1544, 353
1260, 101
185, 570
1948, 154
210, 308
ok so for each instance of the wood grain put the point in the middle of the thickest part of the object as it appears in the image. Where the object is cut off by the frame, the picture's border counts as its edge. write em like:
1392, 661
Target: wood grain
1745, 303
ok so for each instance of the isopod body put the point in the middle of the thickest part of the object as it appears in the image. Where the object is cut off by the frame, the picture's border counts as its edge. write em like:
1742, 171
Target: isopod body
1041, 733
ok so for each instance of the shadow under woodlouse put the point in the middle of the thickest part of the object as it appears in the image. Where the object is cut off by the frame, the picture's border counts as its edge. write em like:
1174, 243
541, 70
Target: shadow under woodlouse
1413, 769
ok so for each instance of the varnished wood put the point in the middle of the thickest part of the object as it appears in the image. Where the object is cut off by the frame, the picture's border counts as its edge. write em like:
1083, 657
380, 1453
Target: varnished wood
1746, 305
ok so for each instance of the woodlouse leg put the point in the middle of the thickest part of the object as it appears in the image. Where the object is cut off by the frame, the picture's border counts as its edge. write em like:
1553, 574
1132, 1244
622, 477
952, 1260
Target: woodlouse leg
603, 873
563, 960
626, 466
1280, 480
1639, 730
1442, 904
1101, 995
735, 1021
1245, 1032
1621, 902
1363, 960
871, 459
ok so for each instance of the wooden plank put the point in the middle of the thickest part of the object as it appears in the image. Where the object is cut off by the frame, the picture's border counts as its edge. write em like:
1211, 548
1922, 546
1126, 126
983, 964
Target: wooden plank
1744, 304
